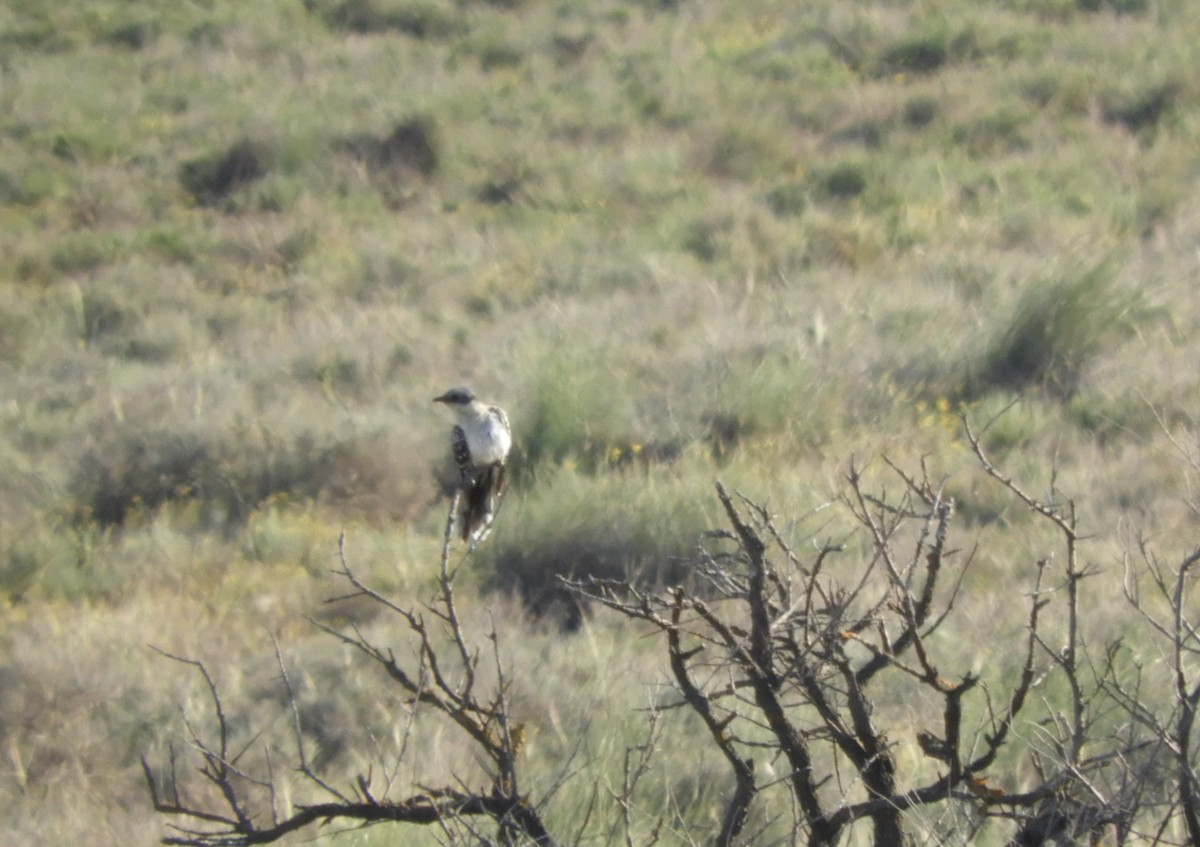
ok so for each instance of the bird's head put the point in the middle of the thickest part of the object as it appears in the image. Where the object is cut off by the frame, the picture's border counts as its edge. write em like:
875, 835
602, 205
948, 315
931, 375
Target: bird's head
456, 398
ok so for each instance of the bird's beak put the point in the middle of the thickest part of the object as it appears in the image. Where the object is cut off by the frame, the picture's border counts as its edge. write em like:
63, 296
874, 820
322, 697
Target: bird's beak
441, 399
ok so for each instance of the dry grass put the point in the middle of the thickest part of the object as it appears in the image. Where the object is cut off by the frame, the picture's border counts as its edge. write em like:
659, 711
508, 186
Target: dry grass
247, 245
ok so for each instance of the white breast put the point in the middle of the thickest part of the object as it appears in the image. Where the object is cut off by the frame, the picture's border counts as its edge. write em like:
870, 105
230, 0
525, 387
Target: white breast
488, 441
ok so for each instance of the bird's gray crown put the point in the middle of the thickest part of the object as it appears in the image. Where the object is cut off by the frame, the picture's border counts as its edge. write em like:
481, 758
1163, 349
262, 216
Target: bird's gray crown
456, 397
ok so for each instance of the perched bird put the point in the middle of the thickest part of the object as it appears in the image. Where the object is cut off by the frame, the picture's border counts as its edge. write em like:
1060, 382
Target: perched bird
481, 440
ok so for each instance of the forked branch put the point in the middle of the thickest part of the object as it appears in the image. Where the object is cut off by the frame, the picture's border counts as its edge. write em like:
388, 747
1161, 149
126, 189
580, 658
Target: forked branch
432, 686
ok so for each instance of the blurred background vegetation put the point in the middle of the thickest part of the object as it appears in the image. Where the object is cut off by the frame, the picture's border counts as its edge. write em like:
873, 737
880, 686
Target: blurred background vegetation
246, 244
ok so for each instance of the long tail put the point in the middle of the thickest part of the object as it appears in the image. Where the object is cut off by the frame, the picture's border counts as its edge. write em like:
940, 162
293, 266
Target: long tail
477, 506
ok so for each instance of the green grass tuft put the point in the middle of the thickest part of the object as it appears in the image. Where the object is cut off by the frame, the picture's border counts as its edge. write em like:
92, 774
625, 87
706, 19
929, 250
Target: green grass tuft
1057, 327
576, 412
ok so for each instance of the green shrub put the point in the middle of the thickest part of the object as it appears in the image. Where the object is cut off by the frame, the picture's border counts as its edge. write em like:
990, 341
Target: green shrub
1121, 7
398, 162
788, 200
49, 559
133, 35
100, 316
28, 187
917, 54
39, 35
418, 19
921, 111
494, 52
212, 178
1142, 109
1001, 131
747, 151
82, 253
842, 181
171, 244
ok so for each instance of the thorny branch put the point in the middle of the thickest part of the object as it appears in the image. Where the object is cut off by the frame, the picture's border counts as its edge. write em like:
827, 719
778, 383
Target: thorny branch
482, 716
802, 654
1183, 642
782, 656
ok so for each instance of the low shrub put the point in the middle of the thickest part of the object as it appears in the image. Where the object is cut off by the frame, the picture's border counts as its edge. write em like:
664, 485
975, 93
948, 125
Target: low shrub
212, 178
227, 479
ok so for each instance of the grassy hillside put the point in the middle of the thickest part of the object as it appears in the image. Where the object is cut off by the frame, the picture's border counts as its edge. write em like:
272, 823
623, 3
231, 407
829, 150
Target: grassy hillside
246, 244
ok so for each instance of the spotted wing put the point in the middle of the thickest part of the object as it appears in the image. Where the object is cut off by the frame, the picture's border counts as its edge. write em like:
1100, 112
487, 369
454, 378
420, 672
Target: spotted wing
462, 454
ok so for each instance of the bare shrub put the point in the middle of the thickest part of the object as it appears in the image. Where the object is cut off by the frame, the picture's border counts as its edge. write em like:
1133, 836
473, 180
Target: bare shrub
241, 807
793, 661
